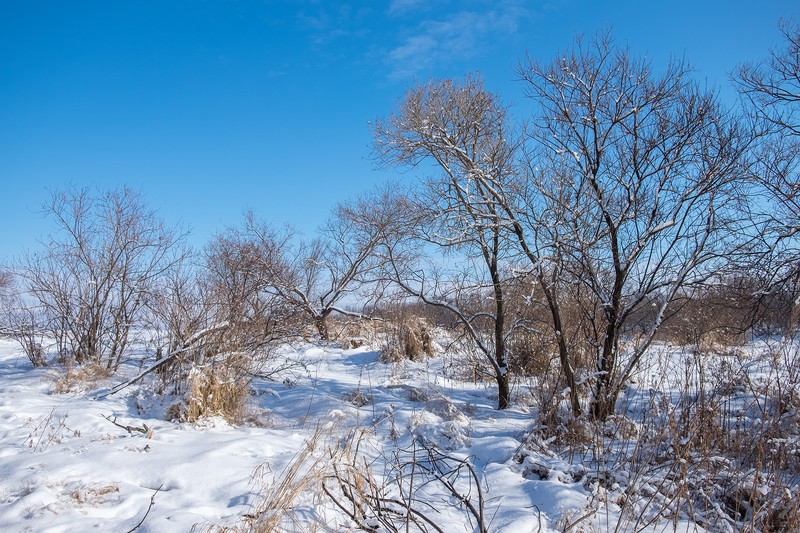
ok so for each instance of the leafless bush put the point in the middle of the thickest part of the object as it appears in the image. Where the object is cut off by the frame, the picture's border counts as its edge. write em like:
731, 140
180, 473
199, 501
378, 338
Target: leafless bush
220, 328
93, 282
22, 320
28, 328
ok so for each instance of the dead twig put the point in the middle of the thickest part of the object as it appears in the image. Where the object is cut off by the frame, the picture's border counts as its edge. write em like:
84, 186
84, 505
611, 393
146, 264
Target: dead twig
152, 503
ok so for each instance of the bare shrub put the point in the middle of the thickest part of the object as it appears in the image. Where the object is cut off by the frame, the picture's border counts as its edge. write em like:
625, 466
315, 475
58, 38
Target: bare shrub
221, 327
22, 320
93, 281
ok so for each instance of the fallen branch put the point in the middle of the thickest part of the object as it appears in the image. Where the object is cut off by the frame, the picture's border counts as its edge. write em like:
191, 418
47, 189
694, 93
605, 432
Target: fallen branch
142, 374
188, 345
130, 429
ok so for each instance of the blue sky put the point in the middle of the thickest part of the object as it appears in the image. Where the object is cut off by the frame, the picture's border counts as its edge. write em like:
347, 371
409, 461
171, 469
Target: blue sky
213, 107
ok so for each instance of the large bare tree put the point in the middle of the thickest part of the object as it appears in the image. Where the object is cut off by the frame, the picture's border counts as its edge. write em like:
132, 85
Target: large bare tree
632, 192
462, 129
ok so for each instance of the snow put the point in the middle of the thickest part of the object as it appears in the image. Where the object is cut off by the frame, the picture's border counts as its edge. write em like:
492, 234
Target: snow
64, 466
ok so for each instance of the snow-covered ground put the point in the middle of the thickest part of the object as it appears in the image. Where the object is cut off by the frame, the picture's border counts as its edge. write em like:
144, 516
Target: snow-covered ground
65, 466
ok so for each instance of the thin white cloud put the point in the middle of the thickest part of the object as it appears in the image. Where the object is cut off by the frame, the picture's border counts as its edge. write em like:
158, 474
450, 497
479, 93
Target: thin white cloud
457, 37
403, 6
326, 23
416, 49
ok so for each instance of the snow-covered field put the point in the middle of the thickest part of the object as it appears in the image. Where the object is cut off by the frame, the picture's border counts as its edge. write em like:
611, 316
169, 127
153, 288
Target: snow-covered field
65, 466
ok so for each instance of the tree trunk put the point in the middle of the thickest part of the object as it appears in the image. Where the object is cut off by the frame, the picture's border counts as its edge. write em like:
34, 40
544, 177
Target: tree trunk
503, 390
605, 394
500, 354
605, 400
563, 351
321, 323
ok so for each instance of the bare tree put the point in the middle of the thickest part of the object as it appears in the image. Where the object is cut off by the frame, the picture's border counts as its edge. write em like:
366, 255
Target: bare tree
6, 283
22, 320
772, 87
631, 192
771, 90
318, 276
462, 129
96, 274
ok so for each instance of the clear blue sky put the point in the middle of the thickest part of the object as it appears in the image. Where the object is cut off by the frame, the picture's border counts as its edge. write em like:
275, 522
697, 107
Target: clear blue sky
212, 107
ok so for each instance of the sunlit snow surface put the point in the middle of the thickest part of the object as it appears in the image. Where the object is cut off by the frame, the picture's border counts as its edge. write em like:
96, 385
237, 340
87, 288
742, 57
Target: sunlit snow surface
65, 467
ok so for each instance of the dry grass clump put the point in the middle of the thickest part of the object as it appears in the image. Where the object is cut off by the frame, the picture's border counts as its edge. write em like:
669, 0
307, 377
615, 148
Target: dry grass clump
83, 377
356, 398
220, 389
409, 338
283, 493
